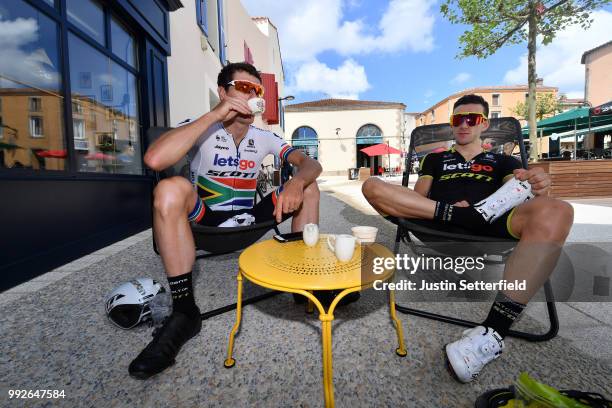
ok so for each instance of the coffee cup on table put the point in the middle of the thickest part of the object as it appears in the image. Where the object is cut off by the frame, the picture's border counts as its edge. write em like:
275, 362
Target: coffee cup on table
365, 234
257, 105
343, 246
310, 235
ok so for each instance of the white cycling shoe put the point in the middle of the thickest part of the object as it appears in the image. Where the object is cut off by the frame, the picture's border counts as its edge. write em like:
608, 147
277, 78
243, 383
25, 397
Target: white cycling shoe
508, 196
468, 355
240, 220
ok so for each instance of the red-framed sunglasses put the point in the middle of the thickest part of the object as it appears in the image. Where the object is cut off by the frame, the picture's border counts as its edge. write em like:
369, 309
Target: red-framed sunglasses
471, 118
247, 86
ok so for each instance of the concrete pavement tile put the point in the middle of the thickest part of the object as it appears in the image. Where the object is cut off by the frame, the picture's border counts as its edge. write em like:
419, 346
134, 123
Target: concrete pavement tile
6, 297
52, 276
30, 286
601, 311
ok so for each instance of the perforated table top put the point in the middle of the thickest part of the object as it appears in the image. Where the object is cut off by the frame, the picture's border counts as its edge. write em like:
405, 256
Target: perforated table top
297, 266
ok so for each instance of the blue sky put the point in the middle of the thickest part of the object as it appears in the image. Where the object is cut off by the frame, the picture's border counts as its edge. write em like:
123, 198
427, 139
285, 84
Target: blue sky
404, 51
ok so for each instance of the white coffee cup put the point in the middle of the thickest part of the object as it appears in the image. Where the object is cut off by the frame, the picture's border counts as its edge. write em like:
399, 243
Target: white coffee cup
310, 235
257, 105
343, 246
364, 234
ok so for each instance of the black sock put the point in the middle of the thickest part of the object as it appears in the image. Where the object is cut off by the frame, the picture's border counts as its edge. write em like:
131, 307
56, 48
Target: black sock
466, 217
503, 313
182, 295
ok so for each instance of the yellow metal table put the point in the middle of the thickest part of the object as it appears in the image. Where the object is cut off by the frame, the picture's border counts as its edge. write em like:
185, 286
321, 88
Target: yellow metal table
296, 268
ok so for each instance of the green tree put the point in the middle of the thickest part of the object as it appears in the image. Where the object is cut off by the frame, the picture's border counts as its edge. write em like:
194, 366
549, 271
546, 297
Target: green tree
495, 23
546, 104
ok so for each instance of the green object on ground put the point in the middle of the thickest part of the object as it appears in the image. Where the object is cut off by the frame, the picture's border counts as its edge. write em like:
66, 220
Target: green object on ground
531, 394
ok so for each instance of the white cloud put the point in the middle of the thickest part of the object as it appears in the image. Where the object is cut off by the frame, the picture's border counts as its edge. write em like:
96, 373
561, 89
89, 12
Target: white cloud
318, 26
461, 78
347, 81
30, 67
559, 62
18, 32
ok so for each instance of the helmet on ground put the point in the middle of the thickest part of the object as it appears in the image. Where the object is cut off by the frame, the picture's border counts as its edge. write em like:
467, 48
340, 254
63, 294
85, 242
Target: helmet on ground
128, 304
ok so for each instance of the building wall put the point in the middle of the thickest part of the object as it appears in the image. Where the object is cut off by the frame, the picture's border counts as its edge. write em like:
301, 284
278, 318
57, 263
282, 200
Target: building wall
338, 152
598, 77
192, 68
440, 113
195, 63
261, 38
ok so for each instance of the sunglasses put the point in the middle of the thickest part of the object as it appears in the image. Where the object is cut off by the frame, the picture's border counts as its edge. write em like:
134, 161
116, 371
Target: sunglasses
247, 86
471, 118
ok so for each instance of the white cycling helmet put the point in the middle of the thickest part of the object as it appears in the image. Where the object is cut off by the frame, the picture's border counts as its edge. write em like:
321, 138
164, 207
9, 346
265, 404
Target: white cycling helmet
128, 304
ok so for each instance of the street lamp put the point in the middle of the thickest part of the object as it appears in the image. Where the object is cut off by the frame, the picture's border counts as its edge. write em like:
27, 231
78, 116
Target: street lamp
287, 98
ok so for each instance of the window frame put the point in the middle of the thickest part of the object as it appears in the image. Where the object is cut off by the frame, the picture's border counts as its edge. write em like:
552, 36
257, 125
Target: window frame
202, 16
31, 119
57, 14
34, 104
493, 95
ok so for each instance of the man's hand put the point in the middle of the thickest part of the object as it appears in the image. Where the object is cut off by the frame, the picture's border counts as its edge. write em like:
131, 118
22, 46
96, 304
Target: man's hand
229, 108
461, 203
539, 180
290, 199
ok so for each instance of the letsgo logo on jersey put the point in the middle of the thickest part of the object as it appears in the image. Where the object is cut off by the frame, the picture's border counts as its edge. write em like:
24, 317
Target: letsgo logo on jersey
230, 161
468, 166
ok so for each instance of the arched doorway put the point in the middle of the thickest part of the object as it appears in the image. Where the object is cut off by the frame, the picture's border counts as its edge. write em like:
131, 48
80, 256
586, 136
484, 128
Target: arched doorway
305, 138
368, 135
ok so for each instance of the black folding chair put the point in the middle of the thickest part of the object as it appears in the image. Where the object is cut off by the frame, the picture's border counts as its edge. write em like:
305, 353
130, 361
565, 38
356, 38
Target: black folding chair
503, 135
217, 240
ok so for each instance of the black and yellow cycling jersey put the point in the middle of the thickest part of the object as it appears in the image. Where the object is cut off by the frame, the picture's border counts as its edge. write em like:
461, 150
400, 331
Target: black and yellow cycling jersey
455, 179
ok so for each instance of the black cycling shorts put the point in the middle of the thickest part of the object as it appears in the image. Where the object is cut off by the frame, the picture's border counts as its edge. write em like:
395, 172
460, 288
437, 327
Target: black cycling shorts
262, 211
500, 228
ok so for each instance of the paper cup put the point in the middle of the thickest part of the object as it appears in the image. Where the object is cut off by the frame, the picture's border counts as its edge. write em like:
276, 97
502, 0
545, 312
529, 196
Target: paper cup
257, 105
364, 233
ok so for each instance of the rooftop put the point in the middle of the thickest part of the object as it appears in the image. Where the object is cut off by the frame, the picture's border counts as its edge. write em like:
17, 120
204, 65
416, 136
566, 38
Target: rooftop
488, 89
342, 104
582, 60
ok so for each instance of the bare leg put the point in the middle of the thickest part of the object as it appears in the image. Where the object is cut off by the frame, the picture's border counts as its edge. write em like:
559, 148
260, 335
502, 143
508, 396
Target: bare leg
174, 198
543, 225
309, 210
397, 201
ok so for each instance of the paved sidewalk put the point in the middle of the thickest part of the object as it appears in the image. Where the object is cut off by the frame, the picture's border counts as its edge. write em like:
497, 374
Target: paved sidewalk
54, 335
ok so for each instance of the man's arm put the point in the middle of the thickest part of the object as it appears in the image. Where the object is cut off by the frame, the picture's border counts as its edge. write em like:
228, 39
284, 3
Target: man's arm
293, 191
176, 143
423, 185
427, 171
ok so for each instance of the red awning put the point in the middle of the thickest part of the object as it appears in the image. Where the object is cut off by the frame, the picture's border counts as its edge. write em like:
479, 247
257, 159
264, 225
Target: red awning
59, 154
380, 149
99, 156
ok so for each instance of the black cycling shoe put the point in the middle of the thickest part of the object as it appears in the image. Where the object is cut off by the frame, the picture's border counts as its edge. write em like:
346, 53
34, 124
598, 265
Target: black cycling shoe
167, 341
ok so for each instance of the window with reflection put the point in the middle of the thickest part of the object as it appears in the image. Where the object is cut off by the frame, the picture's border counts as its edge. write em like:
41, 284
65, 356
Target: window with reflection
106, 124
87, 16
369, 134
30, 89
123, 43
305, 139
